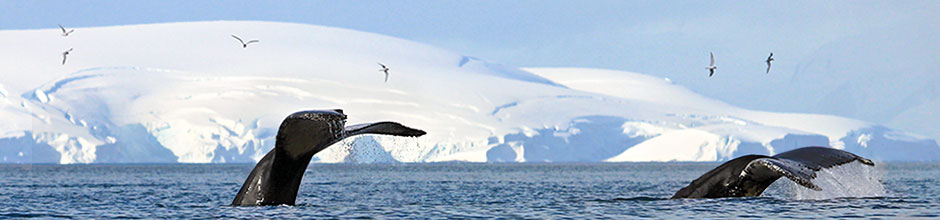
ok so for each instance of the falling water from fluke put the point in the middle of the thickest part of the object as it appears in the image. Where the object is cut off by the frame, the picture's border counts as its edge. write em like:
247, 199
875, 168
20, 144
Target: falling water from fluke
852, 180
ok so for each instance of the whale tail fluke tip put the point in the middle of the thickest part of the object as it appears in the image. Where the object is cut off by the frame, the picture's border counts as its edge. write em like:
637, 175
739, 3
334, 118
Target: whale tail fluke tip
866, 161
387, 128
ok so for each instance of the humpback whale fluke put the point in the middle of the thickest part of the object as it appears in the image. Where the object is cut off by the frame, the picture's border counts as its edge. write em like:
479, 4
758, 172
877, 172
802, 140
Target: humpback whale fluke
276, 178
749, 175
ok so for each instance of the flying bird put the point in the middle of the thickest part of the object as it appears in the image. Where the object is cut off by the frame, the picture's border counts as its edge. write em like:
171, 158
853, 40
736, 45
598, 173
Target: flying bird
65, 55
64, 32
244, 44
770, 58
711, 66
384, 69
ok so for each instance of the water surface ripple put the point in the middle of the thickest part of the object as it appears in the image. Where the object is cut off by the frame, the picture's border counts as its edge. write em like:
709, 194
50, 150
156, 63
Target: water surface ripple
592, 190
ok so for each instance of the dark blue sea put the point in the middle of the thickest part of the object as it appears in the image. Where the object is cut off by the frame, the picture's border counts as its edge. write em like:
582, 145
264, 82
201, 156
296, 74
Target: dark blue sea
437, 191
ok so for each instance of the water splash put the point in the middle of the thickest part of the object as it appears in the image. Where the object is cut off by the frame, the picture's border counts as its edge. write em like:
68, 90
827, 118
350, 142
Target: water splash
853, 180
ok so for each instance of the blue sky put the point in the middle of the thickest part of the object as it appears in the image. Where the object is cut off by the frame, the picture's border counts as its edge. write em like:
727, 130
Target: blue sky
663, 38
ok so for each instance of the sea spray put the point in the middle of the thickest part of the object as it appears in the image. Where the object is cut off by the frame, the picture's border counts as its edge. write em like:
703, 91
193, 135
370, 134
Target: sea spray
853, 180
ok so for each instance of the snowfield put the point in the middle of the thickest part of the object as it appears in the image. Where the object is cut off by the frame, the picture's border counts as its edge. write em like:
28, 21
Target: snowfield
188, 92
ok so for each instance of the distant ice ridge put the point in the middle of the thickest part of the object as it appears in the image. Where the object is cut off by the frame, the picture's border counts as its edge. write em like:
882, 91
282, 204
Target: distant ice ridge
197, 97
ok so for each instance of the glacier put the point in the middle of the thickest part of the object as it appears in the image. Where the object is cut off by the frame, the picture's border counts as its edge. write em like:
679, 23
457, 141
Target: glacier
185, 92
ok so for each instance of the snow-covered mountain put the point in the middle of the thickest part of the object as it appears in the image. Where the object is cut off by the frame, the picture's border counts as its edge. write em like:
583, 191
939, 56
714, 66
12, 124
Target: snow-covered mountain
188, 92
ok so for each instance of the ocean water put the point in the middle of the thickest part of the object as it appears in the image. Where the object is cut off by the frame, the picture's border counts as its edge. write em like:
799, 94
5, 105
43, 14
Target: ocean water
591, 190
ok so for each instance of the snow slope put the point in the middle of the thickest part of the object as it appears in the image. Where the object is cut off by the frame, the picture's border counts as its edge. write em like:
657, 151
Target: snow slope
187, 92
757, 127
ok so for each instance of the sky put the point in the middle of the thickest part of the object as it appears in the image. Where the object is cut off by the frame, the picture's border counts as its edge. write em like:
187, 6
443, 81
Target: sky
662, 38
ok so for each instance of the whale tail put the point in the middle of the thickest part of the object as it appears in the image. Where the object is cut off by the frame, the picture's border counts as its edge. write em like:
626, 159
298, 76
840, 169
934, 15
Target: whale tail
750, 175
277, 176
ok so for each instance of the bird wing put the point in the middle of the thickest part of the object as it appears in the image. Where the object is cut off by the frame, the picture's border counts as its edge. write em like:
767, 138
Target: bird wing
711, 72
239, 39
383, 65
64, 56
386, 76
63, 29
70, 31
252, 41
768, 67
713, 59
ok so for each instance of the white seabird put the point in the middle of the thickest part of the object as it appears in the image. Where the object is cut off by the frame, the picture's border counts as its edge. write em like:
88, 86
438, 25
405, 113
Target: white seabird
711, 66
384, 69
65, 55
64, 32
244, 44
770, 58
